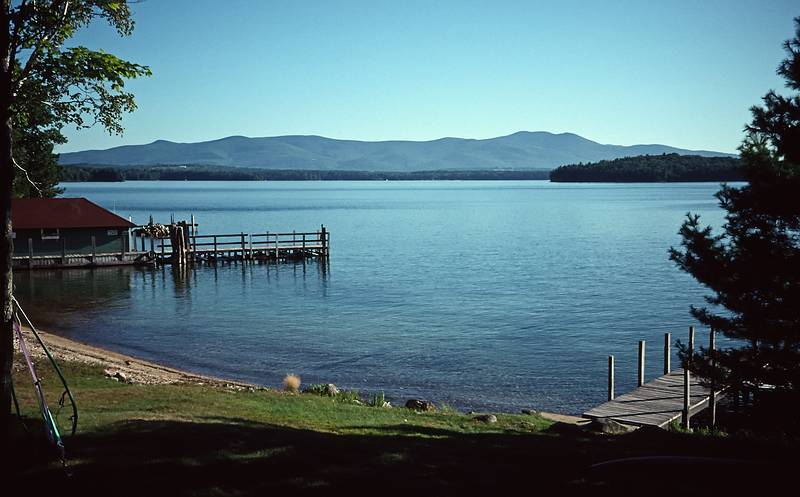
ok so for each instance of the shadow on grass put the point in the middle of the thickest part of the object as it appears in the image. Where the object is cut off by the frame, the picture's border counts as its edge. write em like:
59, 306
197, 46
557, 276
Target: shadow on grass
238, 457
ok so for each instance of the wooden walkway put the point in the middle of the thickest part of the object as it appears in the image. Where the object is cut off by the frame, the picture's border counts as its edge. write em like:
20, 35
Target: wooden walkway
656, 403
246, 246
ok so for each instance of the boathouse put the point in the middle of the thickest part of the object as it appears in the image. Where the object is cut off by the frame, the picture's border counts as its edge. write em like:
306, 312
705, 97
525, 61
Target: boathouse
50, 231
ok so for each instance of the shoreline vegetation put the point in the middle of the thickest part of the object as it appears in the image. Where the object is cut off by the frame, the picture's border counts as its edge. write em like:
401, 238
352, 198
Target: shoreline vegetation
663, 168
83, 173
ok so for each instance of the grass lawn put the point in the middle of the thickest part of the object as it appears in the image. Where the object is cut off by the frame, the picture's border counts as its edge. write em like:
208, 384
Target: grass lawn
210, 440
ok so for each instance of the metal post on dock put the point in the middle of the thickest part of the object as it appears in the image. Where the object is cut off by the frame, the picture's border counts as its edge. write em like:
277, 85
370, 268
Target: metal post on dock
667, 343
641, 363
611, 377
243, 246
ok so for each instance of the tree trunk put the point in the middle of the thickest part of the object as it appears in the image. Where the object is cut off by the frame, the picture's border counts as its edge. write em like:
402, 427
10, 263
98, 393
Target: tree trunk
6, 184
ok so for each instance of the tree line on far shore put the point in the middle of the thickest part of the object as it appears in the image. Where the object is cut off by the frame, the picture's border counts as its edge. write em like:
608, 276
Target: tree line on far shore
652, 168
221, 173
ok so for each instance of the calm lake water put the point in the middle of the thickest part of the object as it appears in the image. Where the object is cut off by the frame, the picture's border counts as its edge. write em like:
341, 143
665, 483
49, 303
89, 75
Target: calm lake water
483, 295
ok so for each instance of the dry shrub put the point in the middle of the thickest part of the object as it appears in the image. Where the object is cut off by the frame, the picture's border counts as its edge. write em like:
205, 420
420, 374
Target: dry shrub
291, 383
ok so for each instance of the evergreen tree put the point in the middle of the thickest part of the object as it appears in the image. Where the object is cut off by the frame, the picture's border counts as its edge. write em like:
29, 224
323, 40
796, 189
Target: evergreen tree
753, 266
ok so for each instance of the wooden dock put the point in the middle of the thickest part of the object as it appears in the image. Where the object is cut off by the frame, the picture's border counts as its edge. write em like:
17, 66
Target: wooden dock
80, 260
675, 394
183, 246
656, 403
245, 247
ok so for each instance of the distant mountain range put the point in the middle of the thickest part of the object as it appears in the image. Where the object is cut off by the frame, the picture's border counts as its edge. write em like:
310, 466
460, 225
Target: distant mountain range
522, 150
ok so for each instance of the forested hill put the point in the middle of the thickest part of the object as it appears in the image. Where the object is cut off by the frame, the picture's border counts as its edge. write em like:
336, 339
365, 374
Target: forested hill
652, 168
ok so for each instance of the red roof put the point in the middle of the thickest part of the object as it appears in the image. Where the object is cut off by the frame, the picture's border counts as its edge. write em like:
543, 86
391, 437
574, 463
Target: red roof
36, 213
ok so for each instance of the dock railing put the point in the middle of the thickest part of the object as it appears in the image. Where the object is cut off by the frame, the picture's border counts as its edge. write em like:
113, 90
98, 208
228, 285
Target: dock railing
239, 246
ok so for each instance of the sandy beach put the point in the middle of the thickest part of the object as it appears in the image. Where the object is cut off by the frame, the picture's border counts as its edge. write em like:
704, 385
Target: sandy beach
119, 366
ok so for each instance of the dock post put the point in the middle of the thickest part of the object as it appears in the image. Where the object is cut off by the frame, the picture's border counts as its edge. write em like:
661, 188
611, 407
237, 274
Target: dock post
667, 343
687, 395
143, 242
63, 250
712, 401
243, 246
611, 377
152, 245
686, 398
30, 252
324, 238
94, 248
641, 363
215, 247
277, 249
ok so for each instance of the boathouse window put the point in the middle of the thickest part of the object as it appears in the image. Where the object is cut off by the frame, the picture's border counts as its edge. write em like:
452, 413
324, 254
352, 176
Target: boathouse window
49, 234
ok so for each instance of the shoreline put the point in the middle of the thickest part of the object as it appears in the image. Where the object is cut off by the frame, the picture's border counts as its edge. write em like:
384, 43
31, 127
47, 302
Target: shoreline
131, 369
123, 367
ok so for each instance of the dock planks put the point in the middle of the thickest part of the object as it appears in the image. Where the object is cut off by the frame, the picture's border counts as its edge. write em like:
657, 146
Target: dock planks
656, 403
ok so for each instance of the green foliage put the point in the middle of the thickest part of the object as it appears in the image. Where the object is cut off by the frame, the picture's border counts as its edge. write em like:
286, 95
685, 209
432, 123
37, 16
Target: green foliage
344, 396
53, 85
652, 168
753, 267
377, 400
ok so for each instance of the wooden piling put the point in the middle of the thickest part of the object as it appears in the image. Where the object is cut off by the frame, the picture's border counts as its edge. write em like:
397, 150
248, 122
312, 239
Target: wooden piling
712, 350
63, 249
30, 252
641, 362
94, 248
667, 344
244, 248
686, 398
687, 395
611, 377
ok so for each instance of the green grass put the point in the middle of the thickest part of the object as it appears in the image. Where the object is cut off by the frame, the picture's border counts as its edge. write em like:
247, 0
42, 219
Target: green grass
209, 440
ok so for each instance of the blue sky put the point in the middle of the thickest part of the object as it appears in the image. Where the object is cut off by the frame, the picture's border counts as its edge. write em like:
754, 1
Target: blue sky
622, 72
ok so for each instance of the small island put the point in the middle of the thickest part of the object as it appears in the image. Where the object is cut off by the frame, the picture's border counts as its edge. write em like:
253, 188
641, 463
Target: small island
651, 169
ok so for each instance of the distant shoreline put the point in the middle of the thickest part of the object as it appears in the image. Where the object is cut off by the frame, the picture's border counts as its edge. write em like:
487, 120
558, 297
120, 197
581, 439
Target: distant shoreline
84, 173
